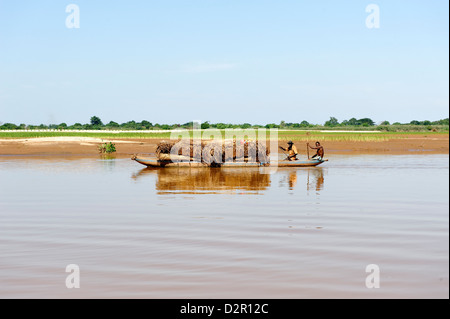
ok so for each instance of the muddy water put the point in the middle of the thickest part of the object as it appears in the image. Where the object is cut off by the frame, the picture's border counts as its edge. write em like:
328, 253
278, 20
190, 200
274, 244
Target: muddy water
224, 233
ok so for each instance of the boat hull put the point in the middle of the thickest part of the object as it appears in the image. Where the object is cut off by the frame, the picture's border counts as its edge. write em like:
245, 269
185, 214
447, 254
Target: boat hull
154, 162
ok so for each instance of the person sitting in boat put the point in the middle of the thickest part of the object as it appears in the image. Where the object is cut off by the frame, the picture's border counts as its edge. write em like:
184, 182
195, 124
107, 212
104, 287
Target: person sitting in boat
320, 151
292, 151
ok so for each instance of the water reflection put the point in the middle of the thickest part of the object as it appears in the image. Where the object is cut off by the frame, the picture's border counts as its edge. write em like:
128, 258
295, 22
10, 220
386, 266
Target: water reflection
229, 180
315, 179
212, 180
292, 180
108, 161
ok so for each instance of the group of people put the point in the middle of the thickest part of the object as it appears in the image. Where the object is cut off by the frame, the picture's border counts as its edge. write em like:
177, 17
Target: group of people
292, 151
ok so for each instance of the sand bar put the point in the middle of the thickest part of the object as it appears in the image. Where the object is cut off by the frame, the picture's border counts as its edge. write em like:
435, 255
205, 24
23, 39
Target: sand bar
413, 144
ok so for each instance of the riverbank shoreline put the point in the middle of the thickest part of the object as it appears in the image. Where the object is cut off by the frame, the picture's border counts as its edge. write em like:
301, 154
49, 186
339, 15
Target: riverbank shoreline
410, 144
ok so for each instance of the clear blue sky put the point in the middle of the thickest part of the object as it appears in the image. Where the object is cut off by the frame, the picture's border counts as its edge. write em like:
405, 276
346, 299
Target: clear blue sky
255, 61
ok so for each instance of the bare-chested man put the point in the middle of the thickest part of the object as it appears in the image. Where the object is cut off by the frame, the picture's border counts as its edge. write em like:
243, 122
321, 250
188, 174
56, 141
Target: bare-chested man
320, 151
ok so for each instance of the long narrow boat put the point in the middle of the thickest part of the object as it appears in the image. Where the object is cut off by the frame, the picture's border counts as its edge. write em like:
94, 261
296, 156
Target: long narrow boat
154, 162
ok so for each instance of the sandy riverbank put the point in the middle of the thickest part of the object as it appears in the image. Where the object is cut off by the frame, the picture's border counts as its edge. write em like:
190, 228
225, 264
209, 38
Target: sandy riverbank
89, 146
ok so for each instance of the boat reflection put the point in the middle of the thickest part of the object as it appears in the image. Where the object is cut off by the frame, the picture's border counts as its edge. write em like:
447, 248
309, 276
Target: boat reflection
292, 180
228, 180
208, 181
314, 178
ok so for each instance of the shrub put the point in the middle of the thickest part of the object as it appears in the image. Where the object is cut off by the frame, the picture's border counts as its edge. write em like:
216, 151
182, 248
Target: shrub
107, 148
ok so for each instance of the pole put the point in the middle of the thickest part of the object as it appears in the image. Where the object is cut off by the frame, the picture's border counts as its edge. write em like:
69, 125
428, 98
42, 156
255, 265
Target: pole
287, 156
307, 150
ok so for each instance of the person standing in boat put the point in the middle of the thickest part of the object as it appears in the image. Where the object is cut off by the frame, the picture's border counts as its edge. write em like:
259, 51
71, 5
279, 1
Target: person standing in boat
292, 151
320, 151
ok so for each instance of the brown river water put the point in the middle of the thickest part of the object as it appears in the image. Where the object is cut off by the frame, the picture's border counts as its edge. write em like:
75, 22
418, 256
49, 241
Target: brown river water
224, 233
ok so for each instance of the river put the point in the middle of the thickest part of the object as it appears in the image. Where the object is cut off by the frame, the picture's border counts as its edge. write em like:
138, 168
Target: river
225, 233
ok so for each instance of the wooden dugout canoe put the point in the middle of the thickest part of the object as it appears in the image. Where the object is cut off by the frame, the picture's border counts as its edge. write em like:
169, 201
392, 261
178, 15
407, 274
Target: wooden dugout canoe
154, 162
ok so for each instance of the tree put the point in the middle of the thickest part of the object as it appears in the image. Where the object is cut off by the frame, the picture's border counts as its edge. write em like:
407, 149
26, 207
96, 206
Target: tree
385, 123
221, 126
187, 125
353, 122
9, 126
205, 125
112, 124
146, 124
130, 125
332, 122
441, 122
304, 124
96, 121
366, 122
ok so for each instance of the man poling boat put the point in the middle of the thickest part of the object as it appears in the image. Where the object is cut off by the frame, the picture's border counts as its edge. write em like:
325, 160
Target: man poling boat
320, 151
292, 151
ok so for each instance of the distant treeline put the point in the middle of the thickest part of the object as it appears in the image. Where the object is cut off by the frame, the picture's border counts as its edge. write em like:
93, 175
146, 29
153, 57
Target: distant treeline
333, 123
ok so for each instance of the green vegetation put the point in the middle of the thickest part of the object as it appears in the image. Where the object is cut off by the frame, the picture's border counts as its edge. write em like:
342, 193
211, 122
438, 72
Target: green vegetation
100, 134
338, 136
107, 148
335, 136
283, 135
96, 122
353, 124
